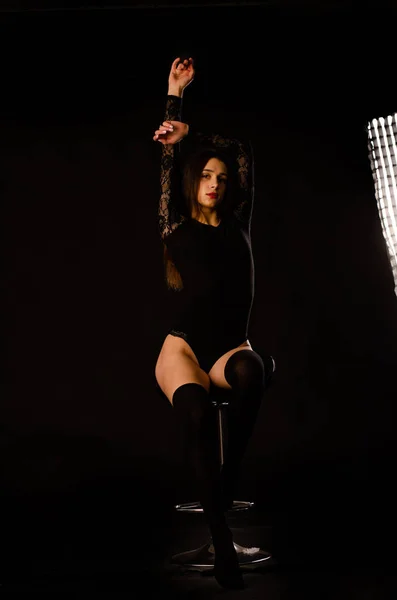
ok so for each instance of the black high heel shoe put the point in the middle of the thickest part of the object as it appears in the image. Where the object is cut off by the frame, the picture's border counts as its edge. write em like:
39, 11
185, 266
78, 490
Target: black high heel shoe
227, 570
228, 574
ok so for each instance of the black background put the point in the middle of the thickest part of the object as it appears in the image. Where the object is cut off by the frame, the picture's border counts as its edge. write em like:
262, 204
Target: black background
85, 438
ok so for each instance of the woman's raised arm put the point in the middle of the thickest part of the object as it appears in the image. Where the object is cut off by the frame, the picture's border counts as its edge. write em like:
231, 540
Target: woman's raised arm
169, 133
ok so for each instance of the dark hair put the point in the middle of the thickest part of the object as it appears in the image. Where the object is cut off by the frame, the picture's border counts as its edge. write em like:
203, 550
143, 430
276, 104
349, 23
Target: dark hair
192, 168
192, 171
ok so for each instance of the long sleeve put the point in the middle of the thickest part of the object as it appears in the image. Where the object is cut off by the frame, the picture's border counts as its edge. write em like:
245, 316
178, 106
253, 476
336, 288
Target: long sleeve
169, 212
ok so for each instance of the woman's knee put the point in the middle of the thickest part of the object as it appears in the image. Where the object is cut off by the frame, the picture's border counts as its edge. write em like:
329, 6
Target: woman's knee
245, 370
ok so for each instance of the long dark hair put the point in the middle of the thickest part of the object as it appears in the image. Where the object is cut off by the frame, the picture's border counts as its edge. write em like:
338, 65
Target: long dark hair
192, 168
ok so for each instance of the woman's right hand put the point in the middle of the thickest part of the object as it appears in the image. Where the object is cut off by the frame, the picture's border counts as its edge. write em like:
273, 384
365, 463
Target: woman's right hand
171, 132
181, 74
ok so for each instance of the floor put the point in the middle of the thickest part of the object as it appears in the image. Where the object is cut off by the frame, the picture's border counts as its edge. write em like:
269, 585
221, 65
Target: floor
91, 544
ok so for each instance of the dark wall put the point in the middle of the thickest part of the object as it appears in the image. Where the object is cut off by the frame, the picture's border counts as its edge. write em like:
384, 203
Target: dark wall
84, 299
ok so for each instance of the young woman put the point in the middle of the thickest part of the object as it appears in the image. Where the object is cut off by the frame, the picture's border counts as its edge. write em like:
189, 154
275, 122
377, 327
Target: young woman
205, 220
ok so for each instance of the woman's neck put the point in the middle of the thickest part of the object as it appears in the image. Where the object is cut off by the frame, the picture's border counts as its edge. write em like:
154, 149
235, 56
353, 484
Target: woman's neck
213, 222
208, 219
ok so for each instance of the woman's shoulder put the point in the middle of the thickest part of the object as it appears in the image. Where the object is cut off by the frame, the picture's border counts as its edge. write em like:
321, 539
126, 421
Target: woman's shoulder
181, 231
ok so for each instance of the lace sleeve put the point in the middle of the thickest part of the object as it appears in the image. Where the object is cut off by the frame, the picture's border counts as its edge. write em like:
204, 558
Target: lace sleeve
169, 215
242, 155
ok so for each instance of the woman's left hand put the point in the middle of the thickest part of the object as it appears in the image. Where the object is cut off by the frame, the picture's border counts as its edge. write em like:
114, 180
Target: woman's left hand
181, 75
171, 132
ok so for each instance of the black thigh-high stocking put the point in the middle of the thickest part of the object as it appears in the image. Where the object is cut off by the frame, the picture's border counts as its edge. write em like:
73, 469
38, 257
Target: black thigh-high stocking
193, 408
245, 373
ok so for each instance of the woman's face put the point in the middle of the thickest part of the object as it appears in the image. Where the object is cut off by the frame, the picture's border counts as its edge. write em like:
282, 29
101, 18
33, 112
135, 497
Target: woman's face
212, 184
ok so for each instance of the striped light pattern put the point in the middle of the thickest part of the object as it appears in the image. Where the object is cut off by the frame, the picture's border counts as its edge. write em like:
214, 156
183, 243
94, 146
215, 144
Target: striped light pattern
382, 146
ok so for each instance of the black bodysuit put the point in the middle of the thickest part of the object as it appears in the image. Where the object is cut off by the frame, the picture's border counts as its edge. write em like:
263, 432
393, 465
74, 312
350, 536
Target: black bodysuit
212, 311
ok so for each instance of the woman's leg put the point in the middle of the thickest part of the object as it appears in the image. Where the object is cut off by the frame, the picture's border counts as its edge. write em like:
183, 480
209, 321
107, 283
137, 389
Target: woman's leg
245, 373
187, 387
193, 408
177, 364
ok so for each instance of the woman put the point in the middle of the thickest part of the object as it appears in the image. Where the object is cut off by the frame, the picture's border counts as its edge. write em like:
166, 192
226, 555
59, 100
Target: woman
204, 220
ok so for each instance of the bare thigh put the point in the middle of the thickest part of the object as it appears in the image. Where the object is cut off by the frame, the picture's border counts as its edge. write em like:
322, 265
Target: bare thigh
176, 365
217, 372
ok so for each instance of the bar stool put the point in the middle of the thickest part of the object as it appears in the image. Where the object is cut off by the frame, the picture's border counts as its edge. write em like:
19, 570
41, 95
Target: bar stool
203, 557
